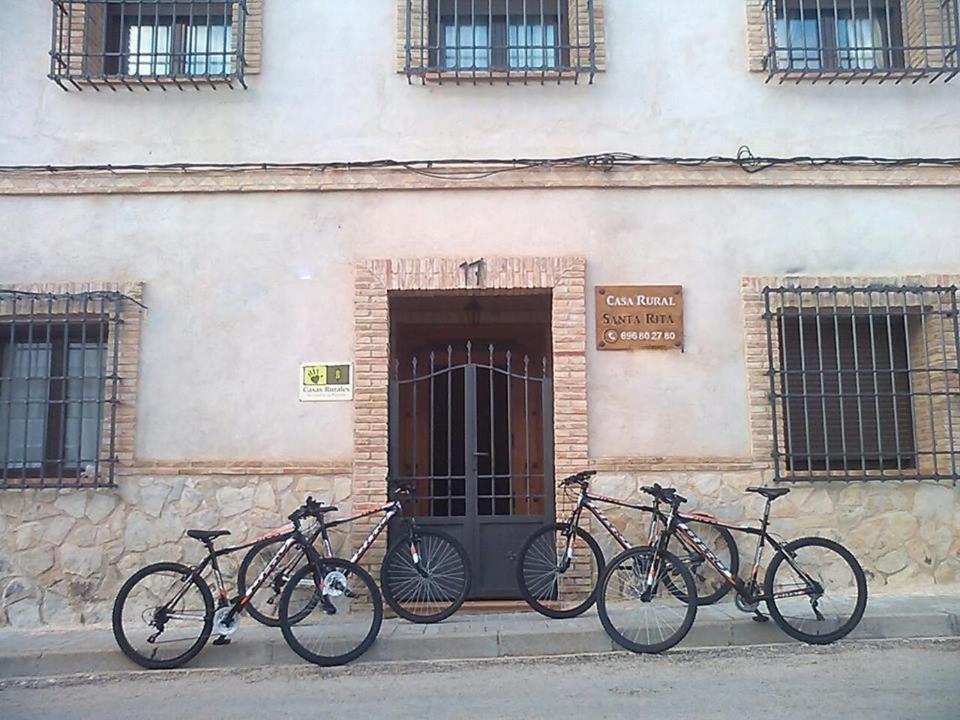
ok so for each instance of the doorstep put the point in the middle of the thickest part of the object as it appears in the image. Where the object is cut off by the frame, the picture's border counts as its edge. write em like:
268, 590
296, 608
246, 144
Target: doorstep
476, 632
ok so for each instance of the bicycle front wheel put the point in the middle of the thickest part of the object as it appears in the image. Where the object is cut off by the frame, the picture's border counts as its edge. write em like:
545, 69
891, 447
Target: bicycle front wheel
427, 580
341, 619
162, 616
816, 590
552, 584
647, 618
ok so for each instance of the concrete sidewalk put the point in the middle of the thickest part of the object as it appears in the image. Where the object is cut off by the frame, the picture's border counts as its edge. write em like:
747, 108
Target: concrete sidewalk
465, 636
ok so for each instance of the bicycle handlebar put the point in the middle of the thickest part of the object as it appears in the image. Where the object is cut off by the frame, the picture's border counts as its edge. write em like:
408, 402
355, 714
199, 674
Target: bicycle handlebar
310, 508
580, 478
667, 495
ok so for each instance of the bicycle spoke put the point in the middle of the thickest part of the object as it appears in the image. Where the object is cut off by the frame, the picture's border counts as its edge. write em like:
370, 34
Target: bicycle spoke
646, 619
816, 593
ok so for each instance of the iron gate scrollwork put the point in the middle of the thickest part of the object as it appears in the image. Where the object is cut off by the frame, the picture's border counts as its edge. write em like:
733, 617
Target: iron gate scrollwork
472, 431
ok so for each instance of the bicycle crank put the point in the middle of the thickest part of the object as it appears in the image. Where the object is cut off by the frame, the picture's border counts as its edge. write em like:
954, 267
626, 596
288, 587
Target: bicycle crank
221, 625
334, 583
746, 606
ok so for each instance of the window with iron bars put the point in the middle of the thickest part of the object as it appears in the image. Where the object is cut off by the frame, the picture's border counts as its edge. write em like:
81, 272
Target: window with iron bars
511, 39
849, 39
129, 43
58, 388
864, 382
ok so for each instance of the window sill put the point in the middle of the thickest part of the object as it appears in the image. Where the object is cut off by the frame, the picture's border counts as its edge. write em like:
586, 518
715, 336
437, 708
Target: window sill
888, 475
539, 77
54, 483
894, 75
132, 82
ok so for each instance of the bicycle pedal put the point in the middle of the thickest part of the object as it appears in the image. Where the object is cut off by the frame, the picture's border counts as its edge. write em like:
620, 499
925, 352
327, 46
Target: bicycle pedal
759, 617
222, 640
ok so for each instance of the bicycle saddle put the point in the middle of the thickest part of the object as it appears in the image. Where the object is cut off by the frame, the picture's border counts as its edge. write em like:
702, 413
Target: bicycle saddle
769, 493
206, 535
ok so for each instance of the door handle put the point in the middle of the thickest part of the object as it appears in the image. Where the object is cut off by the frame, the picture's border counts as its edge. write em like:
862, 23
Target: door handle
481, 454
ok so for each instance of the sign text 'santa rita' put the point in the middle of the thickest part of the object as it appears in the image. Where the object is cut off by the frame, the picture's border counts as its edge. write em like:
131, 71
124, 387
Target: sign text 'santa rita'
637, 317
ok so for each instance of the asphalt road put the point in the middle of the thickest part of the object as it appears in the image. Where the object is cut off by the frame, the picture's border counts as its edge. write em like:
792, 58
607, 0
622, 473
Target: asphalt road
905, 680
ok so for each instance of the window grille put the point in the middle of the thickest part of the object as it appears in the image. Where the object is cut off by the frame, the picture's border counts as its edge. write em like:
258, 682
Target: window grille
58, 388
851, 39
864, 382
139, 43
536, 40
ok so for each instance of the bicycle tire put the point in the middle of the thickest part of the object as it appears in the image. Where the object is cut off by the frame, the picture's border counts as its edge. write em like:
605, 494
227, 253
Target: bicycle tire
395, 574
776, 612
258, 607
671, 563
318, 570
732, 561
527, 558
121, 635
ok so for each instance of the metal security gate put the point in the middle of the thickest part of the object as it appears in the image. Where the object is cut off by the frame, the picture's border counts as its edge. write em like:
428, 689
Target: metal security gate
472, 431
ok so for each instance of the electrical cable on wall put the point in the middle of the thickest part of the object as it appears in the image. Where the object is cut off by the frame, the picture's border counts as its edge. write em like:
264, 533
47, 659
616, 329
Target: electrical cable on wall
471, 169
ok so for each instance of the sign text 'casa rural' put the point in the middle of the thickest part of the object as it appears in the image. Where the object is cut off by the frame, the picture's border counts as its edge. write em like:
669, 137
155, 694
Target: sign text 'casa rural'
639, 317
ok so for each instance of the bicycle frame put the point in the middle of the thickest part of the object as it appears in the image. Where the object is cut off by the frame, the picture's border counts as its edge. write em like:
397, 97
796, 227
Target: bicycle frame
390, 511
321, 531
748, 591
690, 539
296, 537
588, 501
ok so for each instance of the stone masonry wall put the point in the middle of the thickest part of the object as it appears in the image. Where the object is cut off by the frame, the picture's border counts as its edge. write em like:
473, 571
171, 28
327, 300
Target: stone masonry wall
65, 553
905, 534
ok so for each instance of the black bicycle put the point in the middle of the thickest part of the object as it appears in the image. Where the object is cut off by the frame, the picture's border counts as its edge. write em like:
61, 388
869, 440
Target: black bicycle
814, 588
425, 575
165, 612
559, 580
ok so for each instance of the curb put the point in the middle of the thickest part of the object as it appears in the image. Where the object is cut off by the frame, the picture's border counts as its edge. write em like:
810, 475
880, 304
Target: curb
94, 651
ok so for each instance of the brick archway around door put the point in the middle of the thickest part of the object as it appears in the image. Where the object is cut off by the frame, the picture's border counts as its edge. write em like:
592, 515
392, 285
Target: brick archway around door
374, 280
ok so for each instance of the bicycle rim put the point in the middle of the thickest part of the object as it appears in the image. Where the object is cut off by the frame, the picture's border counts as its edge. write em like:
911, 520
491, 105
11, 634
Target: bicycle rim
430, 588
821, 616
161, 618
711, 584
548, 584
342, 618
645, 621
264, 605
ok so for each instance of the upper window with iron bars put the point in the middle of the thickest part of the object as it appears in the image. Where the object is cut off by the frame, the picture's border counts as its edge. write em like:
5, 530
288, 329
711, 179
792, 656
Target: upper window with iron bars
130, 43
851, 39
529, 40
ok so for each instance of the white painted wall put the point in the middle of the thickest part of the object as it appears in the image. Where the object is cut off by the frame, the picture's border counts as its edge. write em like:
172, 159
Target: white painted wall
243, 288
677, 84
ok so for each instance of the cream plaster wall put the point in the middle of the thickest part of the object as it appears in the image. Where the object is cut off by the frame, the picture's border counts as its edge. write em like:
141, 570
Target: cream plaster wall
240, 289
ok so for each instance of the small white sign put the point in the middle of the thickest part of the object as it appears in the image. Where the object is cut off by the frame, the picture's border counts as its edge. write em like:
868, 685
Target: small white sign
326, 381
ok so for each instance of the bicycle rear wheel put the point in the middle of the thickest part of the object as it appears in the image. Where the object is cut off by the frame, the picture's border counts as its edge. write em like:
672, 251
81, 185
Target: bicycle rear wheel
430, 586
549, 584
264, 606
711, 585
830, 585
162, 617
340, 621
646, 620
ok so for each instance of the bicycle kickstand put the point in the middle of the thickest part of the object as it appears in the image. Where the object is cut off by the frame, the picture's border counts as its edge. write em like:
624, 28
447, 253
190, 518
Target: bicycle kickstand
759, 617
222, 640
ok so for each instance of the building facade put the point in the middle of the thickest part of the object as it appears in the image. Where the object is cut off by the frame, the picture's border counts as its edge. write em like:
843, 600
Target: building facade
201, 236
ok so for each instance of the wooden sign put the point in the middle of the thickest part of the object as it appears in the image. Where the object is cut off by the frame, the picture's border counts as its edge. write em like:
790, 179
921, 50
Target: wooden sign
639, 317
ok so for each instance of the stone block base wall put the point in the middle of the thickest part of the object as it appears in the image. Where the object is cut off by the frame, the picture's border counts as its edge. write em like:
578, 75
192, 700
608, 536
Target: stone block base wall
65, 553
905, 535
